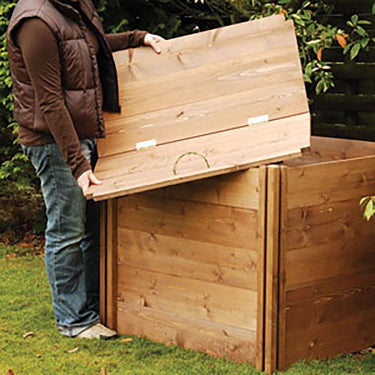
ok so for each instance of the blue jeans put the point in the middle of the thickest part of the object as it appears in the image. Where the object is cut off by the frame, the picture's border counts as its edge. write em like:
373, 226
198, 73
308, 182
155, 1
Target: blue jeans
72, 239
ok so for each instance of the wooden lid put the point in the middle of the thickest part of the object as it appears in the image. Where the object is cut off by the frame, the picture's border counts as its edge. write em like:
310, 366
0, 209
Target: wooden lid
211, 103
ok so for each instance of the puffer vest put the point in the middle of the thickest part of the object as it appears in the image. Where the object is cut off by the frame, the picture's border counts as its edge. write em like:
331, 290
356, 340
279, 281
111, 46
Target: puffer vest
89, 84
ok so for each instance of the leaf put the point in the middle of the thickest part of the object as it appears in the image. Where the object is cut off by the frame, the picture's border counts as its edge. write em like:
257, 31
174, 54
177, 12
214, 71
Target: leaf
373, 8
319, 54
363, 201
369, 210
128, 339
313, 42
354, 18
354, 51
341, 40
75, 350
319, 87
28, 334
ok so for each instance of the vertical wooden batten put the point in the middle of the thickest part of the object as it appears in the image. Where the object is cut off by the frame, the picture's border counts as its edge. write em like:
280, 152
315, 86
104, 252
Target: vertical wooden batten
272, 268
103, 262
111, 279
261, 265
283, 224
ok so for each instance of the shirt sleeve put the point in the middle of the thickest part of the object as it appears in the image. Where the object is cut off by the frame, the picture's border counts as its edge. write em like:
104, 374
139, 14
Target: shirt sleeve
41, 56
127, 39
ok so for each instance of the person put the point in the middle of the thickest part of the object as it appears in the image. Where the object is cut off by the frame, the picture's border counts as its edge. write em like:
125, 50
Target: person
64, 77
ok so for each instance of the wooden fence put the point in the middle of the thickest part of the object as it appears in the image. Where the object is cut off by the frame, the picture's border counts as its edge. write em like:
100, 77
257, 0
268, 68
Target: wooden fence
348, 110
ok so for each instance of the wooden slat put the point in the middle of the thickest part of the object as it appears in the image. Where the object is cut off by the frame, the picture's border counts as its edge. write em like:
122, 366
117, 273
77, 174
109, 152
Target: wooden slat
189, 259
306, 267
220, 92
205, 116
262, 214
329, 149
103, 262
189, 43
215, 339
331, 317
272, 268
232, 75
342, 179
111, 265
283, 227
219, 225
225, 151
241, 189
188, 298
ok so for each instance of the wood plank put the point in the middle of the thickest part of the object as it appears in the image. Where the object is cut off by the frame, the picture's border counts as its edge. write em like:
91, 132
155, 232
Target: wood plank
219, 225
225, 151
169, 255
187, 297
272, 268
262, 173
329, 149
103, 262
192, 44
111, 264
306, 267
345, 179
240, 189
206, 116
331, 317
281, 344
208, 81
214, 339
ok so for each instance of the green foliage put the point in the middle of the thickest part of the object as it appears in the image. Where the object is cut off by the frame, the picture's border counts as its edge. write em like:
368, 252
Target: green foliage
15, 171
368, 206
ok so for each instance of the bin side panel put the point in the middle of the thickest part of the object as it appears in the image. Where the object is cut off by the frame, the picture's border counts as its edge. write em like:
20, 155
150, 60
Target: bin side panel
327, 293
188, 267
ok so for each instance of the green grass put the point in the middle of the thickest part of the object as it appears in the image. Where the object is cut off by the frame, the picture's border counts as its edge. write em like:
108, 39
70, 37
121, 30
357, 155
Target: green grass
25, 307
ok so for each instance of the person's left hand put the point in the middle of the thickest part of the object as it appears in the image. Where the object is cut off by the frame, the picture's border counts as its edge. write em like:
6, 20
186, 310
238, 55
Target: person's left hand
152, 41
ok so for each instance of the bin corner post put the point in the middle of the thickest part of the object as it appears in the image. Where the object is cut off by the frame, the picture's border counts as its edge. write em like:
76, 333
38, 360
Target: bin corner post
103, 262
271, 294
111, 264
262, 214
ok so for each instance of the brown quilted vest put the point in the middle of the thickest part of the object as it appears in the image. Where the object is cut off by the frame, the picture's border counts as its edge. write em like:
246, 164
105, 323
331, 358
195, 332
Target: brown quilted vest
85, 84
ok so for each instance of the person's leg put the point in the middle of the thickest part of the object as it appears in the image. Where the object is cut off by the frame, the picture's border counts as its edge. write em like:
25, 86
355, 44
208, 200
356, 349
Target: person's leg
65, 208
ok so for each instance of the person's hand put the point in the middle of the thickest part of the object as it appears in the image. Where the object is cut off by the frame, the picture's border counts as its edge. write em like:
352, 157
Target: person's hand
152, 41
86, 179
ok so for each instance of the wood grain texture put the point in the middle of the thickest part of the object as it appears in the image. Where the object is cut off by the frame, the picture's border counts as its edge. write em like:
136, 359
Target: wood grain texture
191, 259
215, 339
241, 189
324, 149
327, 260
187, 297
272, 269
218, 225
111, 310
262, 215
103, 262
225, 152
196, 98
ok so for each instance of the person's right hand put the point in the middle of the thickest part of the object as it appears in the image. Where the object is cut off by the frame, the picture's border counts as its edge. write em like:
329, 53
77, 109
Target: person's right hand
86, 179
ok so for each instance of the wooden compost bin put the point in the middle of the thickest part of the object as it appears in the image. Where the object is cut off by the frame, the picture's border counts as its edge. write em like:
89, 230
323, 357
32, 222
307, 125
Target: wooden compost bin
267, 265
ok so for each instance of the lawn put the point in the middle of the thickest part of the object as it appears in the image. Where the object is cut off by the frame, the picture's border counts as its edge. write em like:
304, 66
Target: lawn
25, 308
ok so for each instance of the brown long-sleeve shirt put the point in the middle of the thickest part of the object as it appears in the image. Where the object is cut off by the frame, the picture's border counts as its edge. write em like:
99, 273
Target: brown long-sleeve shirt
40, 53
